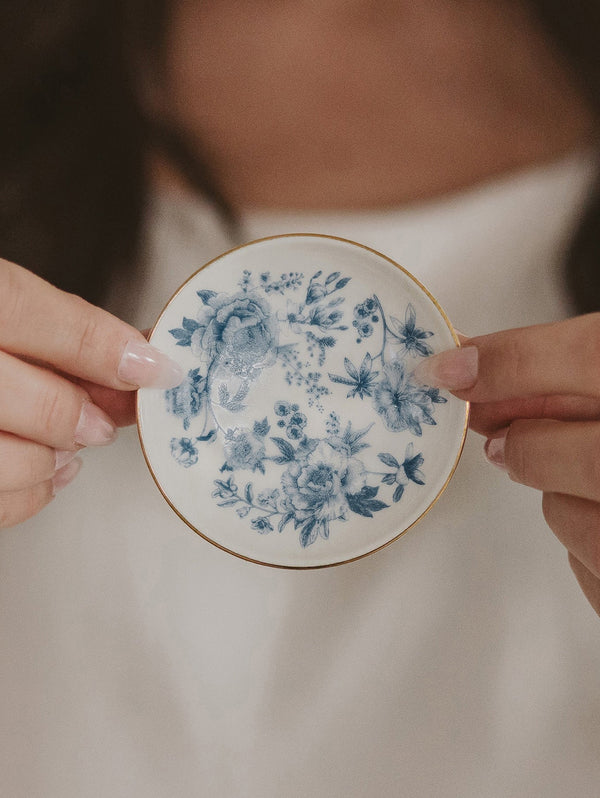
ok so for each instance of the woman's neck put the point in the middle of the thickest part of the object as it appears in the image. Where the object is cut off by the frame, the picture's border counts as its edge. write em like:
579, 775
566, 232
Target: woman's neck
366, 104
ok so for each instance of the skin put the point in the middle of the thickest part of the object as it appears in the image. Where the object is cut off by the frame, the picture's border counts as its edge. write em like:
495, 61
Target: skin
364, 103
58, 354
341, 104
538, 389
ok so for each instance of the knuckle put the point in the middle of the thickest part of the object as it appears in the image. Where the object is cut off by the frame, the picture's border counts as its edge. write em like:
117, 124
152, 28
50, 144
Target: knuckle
24, 469
51, 412
88, 339
95, 335
18, 506
514, 362
517, 459
38, 464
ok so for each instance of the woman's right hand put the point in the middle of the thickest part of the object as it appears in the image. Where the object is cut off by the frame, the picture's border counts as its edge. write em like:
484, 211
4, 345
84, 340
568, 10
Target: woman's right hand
67, 375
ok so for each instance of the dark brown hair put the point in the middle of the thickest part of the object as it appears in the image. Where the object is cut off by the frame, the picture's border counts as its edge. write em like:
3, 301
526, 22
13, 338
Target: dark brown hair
72, 136
575, 28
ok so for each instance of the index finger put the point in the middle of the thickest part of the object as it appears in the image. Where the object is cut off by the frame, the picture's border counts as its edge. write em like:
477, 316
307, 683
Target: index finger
41, 322
558, 358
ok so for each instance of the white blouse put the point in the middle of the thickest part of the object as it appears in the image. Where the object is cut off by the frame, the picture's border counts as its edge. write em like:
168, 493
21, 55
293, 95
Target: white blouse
462, 661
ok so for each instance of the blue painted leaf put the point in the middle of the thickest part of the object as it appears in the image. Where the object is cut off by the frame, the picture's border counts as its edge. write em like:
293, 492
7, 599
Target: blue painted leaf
287, 450
308, 533
369, 491
249, 493
208, 437
363, 503
388, 459
341, 283
342, 380
366, 366
284, 520
352, 439
184, 337
412, 466
228, 502
332, 278
375, 505
388, 479
206, 295
423, 349
351, 369
226, 486
306, 446
398, 493
190, 324
415, 427
179, 332
434, 395
261, 428
324, 529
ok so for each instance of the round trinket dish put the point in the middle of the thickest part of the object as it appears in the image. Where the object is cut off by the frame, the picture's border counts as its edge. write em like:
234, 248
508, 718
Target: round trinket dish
299, 437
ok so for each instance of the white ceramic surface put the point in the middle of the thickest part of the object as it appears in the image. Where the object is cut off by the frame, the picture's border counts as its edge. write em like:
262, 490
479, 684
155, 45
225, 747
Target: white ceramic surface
298, 438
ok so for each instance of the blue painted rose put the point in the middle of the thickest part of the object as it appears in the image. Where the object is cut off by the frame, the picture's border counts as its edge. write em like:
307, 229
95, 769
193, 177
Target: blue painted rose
238, 331
243, 450
186, 400
184, 451
317, 485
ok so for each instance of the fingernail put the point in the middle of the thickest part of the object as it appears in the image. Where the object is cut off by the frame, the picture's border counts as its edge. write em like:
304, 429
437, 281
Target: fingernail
143, 365
494, 450
62, 457
94, 427
455, 369
65, 475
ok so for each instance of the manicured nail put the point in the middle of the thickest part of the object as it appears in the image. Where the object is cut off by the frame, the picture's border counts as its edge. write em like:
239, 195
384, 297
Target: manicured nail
62, 457
455, 369
495, 450
65, 475
94, 428
143, 365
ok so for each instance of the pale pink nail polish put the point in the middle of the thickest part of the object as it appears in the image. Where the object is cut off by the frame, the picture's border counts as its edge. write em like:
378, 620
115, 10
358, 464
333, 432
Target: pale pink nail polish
94, 427
455, 369
494, 450
65, 475
143, 365
62, 457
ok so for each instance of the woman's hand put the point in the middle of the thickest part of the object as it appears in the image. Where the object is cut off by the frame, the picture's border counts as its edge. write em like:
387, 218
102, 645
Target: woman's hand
535, 395
67, 375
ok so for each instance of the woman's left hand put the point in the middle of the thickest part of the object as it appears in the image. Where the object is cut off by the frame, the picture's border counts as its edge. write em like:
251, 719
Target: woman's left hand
535, 395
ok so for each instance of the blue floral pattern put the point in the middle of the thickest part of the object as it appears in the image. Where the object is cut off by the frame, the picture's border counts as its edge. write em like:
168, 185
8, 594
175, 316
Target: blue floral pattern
322, 477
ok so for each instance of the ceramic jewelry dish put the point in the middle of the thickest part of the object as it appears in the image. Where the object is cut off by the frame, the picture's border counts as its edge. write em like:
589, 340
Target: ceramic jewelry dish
298, 437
